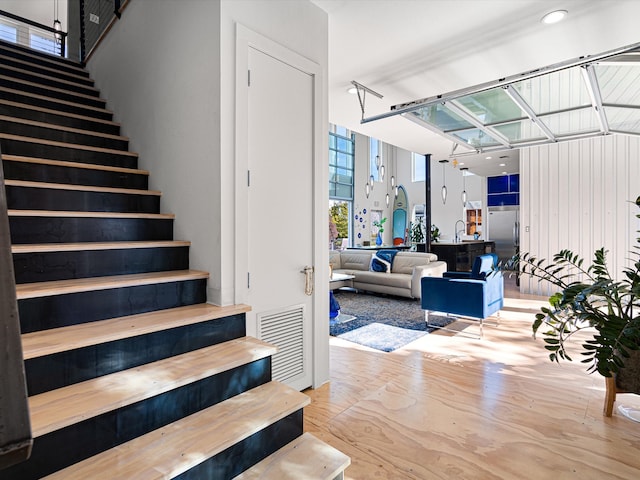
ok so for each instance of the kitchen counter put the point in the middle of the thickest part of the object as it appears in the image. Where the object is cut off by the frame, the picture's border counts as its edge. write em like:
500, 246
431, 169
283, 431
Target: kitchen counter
460, 255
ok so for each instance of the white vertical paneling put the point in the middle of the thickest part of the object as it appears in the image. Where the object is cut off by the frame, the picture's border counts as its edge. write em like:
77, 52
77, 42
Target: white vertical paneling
578, 195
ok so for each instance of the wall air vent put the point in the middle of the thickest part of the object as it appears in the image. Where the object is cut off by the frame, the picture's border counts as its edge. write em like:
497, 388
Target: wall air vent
284, 329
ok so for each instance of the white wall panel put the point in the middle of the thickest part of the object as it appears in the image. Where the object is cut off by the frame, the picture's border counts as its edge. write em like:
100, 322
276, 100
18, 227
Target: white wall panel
579, 195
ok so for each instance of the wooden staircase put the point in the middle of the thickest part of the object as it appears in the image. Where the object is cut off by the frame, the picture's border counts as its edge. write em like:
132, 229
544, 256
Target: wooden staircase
130, 373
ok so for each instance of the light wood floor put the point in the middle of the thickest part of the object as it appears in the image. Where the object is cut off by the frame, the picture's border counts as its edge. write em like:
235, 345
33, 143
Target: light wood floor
453, 407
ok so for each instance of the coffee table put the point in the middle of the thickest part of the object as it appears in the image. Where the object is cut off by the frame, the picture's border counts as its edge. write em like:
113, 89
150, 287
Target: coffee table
339, 280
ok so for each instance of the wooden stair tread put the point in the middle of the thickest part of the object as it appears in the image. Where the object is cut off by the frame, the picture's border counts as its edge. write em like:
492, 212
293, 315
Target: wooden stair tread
84, 246
57, 112
78, 285
81, 78
55, 89
40, 58
62, 128
56, 100
56, 340
177, 447
305, 457
75, 146
64, 163
57, 79
83, 214
82, 188
65, 406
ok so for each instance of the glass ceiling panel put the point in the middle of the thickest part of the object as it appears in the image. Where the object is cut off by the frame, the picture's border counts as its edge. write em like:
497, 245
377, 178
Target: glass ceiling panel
441, 117
520, 131
619, 83
561, 90
572, 122
476, 138
492, 106
623, 119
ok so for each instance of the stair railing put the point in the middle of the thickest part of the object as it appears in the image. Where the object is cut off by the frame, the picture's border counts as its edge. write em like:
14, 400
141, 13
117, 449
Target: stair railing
96, 19
16, 438
22, 31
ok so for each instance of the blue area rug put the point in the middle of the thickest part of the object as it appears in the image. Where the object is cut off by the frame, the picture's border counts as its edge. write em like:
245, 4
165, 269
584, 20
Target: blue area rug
382, 322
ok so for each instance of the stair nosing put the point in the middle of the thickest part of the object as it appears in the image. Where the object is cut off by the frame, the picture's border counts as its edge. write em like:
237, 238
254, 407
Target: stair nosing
92, 246
65, 163
80, 188
53, 126
59, 112
26, 291
126, 387
55, 89
73, 146
56, 340
242, 416
56, 79
53, 60
46, 67
56, 100
84, 214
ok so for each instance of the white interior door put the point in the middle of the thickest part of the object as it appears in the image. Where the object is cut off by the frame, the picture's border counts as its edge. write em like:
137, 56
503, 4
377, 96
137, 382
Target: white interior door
280, 244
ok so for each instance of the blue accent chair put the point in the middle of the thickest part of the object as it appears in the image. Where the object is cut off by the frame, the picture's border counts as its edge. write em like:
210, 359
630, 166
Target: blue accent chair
477, 294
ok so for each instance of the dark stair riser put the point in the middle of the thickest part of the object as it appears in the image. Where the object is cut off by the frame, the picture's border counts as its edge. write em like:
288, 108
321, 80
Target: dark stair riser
55, 311
17, 84
46, 70
57, 135
52, 104
26, 148
48, 80
66, 265
58, 119
72, 444
245, 454
41, 58
66, 368
38, 172
29, 230
27, 198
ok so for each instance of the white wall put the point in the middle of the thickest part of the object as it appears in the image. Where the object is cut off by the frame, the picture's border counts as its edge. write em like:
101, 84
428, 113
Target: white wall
577, 195
40, 11
166, 93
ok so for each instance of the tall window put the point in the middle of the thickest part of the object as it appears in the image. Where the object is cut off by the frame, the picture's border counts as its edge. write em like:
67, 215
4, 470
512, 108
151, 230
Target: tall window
341, 169
418, 172
375, 149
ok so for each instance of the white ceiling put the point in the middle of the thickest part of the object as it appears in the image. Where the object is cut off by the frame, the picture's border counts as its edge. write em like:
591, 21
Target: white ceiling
412, 49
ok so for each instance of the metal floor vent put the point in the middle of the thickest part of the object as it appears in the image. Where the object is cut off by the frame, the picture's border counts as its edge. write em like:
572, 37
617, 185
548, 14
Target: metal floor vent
284, 329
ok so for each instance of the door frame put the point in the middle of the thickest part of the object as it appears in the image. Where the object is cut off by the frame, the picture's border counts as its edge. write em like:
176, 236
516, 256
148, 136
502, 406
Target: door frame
245, 39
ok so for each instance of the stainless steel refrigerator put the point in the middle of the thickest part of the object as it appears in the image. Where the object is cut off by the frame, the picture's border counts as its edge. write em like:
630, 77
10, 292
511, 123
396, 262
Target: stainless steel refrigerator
504, 229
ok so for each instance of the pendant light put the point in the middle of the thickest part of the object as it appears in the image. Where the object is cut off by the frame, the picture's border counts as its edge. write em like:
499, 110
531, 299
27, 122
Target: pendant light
443, 192
464, 185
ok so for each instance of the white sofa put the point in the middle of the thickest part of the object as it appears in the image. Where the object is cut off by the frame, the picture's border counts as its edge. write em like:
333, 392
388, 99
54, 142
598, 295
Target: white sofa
407, 269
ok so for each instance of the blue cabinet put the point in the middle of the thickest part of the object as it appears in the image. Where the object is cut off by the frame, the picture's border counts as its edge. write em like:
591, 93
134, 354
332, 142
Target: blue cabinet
503, 190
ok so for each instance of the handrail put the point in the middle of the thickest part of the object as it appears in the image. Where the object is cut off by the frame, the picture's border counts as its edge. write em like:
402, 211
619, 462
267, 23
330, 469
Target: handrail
16, 438
101, 33
58, 35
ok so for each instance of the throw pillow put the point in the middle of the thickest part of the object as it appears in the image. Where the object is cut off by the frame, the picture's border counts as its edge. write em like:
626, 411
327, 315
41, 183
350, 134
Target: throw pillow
379, 265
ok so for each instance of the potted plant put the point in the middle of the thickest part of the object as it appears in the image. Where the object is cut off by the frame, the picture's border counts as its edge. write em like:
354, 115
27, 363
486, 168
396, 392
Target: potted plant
589, 298
435, 233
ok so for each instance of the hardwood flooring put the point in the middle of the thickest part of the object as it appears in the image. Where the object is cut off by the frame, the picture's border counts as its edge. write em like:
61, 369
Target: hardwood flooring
452, 407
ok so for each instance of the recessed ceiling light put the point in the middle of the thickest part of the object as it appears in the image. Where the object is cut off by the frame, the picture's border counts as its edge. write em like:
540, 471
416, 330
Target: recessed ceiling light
352, 90
461, 163
488, 158
503, 165
504, 173
554, 17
